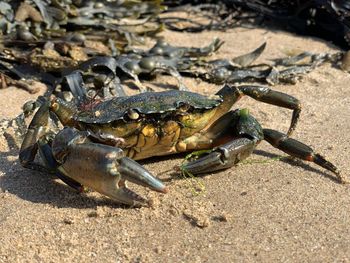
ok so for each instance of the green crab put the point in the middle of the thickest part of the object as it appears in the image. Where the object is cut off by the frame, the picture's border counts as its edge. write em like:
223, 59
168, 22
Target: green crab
101, 140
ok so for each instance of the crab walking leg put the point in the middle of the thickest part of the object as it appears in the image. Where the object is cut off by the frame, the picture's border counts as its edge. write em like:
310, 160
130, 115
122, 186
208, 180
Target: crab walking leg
18, 123
245, 134
231, 94
300, 150
36, 139
277, 98
37, 128
101, 167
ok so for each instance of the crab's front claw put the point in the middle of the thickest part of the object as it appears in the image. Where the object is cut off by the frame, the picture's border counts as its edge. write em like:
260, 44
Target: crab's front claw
133, 172
221, 157
113, 183
101, 167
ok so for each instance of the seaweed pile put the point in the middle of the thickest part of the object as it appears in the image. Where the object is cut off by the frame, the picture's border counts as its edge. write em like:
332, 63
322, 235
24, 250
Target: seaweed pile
97, 44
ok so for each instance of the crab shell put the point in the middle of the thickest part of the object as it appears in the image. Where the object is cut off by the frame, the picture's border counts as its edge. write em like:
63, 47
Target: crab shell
149, 124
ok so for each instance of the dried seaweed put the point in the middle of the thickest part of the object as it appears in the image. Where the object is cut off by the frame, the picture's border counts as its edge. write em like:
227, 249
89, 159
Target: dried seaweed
68, 43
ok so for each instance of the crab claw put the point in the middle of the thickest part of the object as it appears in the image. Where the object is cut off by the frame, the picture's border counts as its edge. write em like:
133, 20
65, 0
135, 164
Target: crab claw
101, 167
135, 173
221, 157
126, 169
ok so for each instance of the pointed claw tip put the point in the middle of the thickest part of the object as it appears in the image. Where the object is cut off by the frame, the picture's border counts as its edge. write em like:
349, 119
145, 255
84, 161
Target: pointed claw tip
342, 179
81, 189
162, 189
165, 190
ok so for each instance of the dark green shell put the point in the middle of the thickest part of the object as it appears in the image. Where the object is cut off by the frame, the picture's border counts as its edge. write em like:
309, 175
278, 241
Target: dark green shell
146, 103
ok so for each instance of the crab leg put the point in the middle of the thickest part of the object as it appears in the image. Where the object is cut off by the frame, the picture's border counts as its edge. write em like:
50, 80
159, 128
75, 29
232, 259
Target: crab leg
231, 94
36, 139
36, 130
245, 134
101, 167
300, 150
277, 98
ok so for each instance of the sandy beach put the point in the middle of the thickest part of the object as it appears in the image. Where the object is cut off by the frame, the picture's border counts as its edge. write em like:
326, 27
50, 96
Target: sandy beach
264, 210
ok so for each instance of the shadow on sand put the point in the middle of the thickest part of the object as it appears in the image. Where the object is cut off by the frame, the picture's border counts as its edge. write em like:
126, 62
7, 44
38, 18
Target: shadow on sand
38, 187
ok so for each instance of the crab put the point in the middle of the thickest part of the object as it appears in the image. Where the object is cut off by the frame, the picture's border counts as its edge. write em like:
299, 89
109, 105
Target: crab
102, 140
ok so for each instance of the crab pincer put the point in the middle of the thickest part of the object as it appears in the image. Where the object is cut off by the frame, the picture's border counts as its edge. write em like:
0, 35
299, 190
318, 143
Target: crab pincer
101, 167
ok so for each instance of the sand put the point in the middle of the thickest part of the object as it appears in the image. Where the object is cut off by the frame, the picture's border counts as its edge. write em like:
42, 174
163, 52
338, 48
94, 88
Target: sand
260, 211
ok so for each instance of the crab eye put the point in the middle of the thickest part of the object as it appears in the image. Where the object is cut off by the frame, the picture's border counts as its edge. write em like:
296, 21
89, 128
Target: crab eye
132, 114
182, 106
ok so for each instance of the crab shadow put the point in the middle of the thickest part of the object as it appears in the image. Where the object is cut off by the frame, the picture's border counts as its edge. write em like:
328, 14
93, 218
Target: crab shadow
296, 163
39, 187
